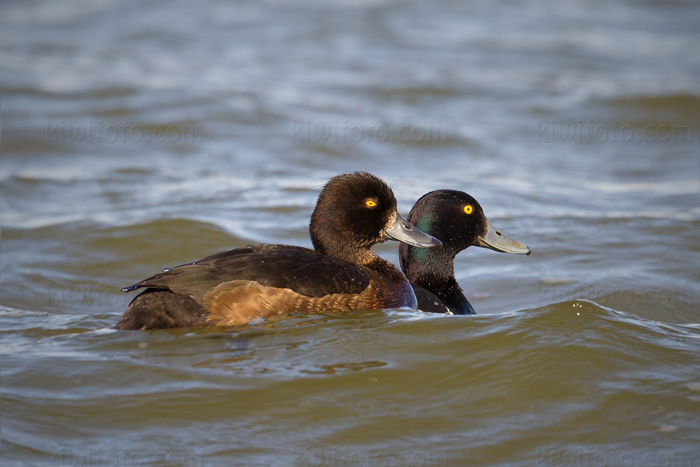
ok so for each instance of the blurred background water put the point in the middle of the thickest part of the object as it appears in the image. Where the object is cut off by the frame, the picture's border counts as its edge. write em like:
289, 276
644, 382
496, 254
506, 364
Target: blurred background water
140, 135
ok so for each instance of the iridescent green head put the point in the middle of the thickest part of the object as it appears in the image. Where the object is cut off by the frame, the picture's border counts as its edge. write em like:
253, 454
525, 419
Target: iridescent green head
458, 221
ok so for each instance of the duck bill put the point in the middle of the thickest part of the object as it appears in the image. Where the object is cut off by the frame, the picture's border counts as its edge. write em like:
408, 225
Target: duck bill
495, 240
403, 231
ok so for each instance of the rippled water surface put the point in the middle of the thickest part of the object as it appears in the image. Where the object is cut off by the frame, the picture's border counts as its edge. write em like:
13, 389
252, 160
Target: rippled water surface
137, 136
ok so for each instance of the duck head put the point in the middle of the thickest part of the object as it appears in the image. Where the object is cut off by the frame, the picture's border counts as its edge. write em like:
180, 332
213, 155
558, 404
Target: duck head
358, 210
458, 221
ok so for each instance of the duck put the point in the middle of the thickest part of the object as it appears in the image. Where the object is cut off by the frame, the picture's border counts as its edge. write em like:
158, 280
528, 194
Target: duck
354, 212
458, 221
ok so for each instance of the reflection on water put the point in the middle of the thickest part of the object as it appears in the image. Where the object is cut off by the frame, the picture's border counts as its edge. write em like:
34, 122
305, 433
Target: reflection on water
141, 136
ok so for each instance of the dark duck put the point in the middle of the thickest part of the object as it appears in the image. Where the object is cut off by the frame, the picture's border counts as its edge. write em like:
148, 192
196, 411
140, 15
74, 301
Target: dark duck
458, 221
353, 213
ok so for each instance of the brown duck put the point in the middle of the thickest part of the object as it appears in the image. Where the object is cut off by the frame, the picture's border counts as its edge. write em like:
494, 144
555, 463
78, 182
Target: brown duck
353, 213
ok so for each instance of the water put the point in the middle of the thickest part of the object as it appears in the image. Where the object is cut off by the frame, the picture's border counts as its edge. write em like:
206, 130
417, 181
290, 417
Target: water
141, 136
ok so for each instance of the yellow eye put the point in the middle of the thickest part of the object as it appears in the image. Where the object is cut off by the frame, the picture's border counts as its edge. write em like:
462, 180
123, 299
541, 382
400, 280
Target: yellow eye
468, 209
370, 203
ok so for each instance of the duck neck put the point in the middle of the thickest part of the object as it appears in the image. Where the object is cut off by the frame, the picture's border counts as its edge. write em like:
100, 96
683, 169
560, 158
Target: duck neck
434, 271
427, 264
363, 256
333, 244
451, 294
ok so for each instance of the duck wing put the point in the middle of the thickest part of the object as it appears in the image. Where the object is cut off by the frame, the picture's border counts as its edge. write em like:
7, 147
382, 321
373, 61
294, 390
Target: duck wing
302, 270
